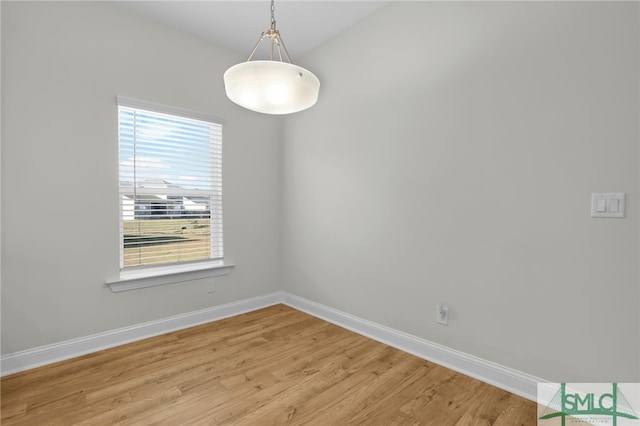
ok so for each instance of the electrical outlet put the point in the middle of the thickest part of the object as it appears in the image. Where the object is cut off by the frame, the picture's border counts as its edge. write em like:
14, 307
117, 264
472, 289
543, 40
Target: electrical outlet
210, 287
442, 314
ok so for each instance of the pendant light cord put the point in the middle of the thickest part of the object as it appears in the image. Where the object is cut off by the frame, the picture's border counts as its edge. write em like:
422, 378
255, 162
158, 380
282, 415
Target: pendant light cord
273, 15
277, 44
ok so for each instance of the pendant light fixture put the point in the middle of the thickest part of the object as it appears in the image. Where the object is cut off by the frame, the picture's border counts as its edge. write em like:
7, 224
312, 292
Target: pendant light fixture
271, 86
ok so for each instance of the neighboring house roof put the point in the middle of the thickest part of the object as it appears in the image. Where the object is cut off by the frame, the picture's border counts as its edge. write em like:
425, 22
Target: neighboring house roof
127, 190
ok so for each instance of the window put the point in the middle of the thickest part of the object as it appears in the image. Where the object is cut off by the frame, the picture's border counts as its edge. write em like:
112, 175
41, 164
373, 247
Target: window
170, 180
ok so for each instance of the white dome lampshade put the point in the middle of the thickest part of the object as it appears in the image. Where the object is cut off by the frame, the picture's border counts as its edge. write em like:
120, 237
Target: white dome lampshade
271, 87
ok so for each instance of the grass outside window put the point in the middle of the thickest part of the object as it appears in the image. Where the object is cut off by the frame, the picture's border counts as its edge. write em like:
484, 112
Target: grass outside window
161, 241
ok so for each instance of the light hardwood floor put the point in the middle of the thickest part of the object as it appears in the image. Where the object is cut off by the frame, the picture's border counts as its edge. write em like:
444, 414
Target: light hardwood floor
273, 366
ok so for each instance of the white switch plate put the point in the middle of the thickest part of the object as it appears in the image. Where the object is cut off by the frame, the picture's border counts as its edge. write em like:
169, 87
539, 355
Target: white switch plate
613, 202
442, 314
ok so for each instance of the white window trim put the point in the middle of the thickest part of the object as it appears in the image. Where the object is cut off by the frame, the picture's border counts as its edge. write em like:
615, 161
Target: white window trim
132, 278
169, 274
165, 109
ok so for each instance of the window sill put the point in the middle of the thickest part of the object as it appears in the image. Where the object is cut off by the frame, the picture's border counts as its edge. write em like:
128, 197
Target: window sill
142, 278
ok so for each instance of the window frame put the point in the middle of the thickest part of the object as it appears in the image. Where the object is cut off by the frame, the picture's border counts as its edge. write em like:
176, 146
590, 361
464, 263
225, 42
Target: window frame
152, 275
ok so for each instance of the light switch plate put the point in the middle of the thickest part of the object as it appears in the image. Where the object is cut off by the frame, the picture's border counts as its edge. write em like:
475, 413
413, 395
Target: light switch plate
613, 202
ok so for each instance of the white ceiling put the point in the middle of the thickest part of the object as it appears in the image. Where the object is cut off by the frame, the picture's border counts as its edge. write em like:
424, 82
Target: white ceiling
237, 25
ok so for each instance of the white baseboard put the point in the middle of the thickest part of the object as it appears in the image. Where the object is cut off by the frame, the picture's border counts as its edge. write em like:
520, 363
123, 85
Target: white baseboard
43, 355
511, 380
503, 377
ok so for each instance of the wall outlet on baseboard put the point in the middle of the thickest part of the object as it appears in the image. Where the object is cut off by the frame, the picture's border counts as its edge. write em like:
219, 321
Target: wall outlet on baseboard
211, 287
442, 314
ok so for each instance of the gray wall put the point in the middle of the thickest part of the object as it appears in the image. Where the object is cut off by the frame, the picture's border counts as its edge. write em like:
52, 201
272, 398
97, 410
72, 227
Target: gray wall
451, 158
62, 66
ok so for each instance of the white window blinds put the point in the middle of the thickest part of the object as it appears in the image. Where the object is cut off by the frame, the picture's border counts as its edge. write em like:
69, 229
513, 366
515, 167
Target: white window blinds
170, 179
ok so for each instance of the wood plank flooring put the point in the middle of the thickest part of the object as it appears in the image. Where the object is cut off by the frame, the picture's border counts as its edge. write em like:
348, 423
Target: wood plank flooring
275, 366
